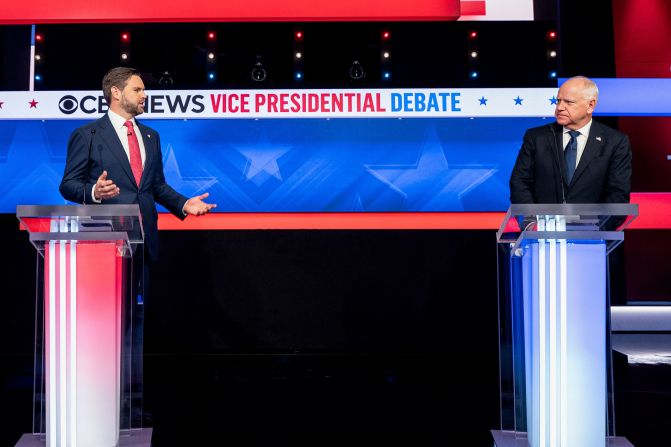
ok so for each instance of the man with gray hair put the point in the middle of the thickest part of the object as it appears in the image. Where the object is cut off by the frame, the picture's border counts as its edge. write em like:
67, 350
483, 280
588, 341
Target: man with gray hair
575, 159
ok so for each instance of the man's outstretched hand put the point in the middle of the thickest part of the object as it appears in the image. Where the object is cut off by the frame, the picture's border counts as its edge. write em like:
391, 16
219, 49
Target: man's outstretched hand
105, 189
196, 207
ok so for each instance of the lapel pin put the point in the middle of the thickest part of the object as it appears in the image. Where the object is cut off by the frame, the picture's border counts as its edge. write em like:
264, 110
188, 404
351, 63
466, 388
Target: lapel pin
149, 136
598, 138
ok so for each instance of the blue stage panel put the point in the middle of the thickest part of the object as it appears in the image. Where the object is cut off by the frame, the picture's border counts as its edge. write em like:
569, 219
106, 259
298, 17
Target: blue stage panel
297, 165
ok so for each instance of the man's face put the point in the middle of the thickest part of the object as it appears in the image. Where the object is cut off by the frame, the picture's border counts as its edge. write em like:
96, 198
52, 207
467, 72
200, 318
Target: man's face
132, 97
573, 110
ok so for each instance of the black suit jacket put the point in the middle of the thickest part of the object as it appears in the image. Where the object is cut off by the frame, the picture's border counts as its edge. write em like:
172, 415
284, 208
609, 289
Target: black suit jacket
603, 174
94, 148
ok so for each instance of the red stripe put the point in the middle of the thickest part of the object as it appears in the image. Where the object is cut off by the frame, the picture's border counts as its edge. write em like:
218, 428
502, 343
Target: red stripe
473, 8
654, 213
124, 11
333, 221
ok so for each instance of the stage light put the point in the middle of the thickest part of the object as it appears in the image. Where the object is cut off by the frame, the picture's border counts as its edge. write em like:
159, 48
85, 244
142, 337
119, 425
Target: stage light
553, 53
211, 76
474, 75
38, 77
299, 75
210, 56
385, 55
299, 35
38, 57
386, 35
386, 75
473, 35
124, 56
299, 55
553, 75
211, 35
552, 35
39, 37
259, 73
166, 79
474, 54
125, 37
356, 71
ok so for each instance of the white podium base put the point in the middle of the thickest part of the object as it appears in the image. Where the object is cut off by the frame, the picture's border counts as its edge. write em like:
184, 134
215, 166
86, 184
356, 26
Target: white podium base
140, 437
509, 439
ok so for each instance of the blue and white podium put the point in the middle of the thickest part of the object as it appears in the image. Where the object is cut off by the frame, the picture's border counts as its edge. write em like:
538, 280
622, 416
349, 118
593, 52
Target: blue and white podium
556, 375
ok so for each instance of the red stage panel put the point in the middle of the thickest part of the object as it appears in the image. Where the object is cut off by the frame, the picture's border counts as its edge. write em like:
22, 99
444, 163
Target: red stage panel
654, 213
333, 221
76, 11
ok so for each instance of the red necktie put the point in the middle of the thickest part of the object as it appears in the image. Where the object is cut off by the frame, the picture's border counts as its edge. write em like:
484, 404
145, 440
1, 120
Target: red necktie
134, 149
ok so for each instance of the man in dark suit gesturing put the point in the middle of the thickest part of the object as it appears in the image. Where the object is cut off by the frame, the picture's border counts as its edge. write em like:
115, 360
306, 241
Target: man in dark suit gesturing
576, 159
116, 160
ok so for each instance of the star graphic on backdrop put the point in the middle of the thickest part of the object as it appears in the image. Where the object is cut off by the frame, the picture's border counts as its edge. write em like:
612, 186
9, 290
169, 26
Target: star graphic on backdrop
33, 104
262, 160
31, 176
430, 183
553, 101
483, 101
518, 100
187, 185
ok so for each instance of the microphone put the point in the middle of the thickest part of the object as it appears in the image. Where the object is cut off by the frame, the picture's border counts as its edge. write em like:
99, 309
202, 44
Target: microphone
93, 133
559, 165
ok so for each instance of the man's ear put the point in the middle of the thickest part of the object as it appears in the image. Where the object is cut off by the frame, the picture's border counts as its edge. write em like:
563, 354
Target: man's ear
116, 93
592, 105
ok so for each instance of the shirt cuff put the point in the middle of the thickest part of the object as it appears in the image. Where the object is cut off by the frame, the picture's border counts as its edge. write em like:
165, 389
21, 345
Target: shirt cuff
93, 196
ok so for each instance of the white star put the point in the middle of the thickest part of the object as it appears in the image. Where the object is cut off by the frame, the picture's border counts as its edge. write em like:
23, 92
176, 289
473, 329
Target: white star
430, 183
190, 185
262, 161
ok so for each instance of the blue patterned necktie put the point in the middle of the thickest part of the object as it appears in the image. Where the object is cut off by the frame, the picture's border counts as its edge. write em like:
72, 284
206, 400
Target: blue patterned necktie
571, 154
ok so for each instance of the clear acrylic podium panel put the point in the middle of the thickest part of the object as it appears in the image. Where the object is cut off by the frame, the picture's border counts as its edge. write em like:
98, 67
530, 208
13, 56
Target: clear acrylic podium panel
580, 236
103, 242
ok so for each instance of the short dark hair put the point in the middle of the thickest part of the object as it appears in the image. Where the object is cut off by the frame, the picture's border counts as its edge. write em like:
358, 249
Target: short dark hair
117, 77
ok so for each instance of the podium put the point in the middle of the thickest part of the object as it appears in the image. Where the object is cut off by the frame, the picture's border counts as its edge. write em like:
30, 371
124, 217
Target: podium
554, 324
88, 351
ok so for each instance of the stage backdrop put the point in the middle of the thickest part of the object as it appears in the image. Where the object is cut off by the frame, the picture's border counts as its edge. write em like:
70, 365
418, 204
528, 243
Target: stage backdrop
317, 151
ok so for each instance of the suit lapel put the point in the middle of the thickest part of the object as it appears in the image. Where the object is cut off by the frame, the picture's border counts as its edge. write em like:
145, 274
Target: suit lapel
111, 140
595, 141
150, 150
557, 145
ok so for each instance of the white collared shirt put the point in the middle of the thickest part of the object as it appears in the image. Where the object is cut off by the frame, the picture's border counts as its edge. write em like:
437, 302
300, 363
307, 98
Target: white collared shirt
118, 123
122, 132
582, 140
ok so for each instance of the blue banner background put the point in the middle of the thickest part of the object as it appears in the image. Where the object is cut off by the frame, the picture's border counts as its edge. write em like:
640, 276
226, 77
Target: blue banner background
297, 165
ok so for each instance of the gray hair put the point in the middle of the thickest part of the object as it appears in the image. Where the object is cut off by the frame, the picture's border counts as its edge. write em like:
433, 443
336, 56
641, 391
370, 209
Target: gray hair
589, 87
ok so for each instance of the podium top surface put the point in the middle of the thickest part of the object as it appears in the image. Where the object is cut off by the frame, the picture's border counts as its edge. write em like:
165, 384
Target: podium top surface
91, 223
27, 211
570, 221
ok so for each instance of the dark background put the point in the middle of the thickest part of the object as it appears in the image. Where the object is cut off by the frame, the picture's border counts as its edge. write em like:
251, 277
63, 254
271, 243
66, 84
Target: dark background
325, 337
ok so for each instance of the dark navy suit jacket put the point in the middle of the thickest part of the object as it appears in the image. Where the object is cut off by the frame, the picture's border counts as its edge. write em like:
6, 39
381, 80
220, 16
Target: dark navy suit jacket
94, 148
603, 174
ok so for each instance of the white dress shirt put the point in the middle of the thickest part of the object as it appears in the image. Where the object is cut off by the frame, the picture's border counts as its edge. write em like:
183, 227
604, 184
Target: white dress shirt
118, 122
582, 140
122, 132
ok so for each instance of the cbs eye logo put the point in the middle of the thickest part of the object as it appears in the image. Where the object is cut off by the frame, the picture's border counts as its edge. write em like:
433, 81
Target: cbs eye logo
68, 104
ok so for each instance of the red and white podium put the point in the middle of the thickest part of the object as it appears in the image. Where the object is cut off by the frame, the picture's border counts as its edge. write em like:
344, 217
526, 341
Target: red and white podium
84, 353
